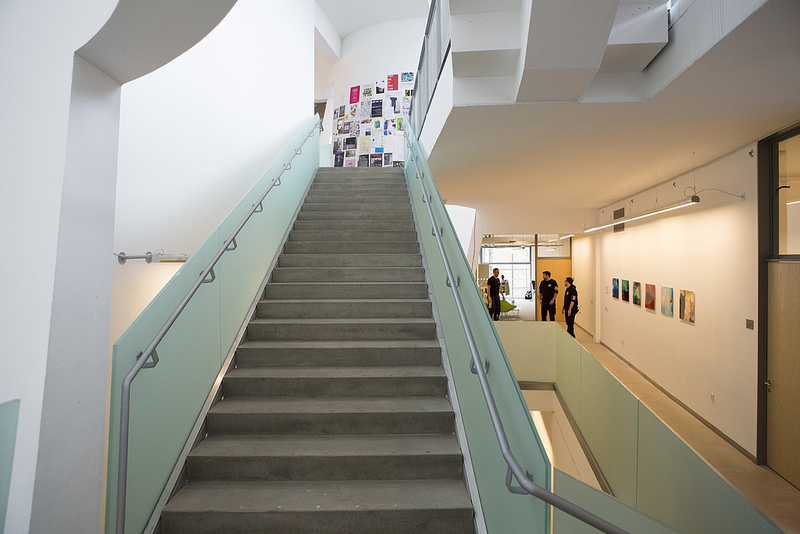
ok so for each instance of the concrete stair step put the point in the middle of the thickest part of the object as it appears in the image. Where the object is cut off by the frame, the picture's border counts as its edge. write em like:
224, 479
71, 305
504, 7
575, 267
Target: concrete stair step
408, 381
345, 507
406, 225
338, 353
346, 290
376, 457
397, 196
348, 274
364, 234
344, 308
366, 216
341, 329
350, 260
351, 247
365, 207
338, 416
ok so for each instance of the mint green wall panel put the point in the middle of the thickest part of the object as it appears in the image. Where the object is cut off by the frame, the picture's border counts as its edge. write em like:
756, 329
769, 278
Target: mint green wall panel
679, 487
9, 418
167, 399
601, 504
568, 370
503, 511
609, 423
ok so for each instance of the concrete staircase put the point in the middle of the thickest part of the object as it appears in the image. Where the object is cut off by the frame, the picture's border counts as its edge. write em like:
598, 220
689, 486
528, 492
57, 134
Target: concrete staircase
336, 417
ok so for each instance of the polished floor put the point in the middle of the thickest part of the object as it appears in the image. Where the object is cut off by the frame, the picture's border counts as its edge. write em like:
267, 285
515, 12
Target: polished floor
776, 498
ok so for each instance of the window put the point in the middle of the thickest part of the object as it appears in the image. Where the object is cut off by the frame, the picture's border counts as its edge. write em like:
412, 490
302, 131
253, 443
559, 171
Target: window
514, 264
788, 203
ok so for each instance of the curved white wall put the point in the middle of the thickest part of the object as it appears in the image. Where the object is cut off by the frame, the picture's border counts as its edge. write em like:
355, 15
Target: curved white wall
197, 133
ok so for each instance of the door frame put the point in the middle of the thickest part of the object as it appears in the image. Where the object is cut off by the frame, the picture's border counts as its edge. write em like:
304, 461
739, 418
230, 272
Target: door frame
767, 149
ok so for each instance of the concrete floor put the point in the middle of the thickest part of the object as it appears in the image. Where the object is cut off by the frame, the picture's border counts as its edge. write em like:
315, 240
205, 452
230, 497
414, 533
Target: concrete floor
776, 498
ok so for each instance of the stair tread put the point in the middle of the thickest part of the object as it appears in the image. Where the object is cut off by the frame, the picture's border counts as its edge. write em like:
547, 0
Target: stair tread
291, 496
327, 445
330, 405
355, 344
413, 371
343, 320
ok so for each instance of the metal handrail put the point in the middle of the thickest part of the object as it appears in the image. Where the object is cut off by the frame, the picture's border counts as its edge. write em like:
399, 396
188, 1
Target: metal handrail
527, 485
150, 352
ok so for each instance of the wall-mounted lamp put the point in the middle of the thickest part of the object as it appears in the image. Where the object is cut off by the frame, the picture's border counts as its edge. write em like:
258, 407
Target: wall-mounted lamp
150, 257
682, 204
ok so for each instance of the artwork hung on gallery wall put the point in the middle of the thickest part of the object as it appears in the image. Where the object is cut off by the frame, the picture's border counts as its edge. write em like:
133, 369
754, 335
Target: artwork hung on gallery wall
625, 291
650, 297
686, 306
615, 288
372, 117
637, 293
666, 301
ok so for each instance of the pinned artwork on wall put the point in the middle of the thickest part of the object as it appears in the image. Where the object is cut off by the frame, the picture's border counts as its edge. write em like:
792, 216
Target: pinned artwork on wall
372, 114
686, 306
637, 293
615, 288
650, 297
625, 291
666, 301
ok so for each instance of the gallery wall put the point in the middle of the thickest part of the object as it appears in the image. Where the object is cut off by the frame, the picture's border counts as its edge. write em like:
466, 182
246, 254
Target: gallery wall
196, 134
369, 56
709, 364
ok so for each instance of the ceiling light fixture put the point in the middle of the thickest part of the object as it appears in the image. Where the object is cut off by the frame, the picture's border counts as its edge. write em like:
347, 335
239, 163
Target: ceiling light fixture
682, 204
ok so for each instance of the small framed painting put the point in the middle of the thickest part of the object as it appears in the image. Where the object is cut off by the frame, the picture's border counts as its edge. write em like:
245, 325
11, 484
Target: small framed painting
666, 301
637, 293
615, 288
686, 306
650, 297
625, 291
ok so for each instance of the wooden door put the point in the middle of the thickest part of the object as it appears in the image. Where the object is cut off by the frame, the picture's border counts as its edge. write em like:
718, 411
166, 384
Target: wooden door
783, 370
559, 268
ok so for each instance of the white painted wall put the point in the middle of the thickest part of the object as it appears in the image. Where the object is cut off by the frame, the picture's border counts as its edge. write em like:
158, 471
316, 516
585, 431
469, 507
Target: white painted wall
583, 271
710, 249
196, 134
37, 42
211, 123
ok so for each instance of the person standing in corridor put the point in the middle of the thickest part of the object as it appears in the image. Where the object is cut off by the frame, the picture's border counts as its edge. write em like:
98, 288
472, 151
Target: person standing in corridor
570, 305
548, 291
493, 291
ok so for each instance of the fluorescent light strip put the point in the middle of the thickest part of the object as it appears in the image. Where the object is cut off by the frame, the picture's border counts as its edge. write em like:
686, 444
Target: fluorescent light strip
691, 202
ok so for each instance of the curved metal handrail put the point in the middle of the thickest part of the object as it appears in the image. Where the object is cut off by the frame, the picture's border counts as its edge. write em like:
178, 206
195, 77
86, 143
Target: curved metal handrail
142, 358
526, 484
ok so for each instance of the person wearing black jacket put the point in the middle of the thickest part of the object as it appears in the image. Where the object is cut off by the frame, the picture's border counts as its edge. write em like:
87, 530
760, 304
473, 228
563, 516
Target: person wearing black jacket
493, 291
570, 305
548, 291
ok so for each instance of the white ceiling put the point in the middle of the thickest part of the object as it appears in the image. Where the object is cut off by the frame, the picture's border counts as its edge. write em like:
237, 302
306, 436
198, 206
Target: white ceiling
588, 155
349, 16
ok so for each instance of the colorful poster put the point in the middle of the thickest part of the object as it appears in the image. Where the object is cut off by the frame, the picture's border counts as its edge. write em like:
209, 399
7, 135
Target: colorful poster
393, 82
615, 288
686, 307
666, 301
354, 93
625, 291
376, 160
650, 297
637, 293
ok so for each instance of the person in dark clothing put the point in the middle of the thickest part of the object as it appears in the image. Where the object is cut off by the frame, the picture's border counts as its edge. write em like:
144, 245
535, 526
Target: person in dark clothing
570, 305
548, 291
493, 291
